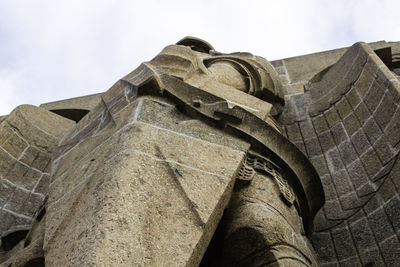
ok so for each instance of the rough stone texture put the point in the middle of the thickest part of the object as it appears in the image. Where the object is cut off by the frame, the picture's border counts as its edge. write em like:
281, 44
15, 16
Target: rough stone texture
27, 137
354, 111
139, 181
159, 194
295, 72
258, 219
138, 173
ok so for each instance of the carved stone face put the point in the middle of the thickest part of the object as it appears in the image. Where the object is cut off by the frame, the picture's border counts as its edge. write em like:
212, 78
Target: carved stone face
197, 63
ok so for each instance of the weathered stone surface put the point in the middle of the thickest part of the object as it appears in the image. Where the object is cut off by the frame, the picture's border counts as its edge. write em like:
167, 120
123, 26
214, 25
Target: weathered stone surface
351, 124
353, 98
258, 217
139, 182
326, 141
158, 193
360, 107
380, 225
27, 137
324, 246
343, 243
360, 142
390, 251
392, 209
362, 235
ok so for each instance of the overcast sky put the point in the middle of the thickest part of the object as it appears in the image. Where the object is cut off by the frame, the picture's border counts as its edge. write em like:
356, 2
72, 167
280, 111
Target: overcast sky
52, 50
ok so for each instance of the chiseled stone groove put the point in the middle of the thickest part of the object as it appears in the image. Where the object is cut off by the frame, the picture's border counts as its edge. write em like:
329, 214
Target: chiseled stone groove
175, 177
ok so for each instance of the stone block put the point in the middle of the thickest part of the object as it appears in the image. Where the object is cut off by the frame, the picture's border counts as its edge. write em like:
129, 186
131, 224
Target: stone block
29, 155
10, 141
334, 161
372, 205
387, 190
323, 244
17, 200
326, 141
371, 162
357, 173
347, 152
41, 161
320, 124
362, 113
7, 162
360, 142
152, 200
390, 251
351, 201
307, 129
353, 98
366, 78
383, 149
339, 134
394, 89
7, 220
351, 124
332, 116
342, 182
362, 235
358, 215
42, 186
312, 146
380, 224
372, 130
374, 96
158, 194
343, 243
366, 189
384, 75
23, 176
385, 111
392, 209
343, 107
392, 130
294, 134
334, 211
6, 190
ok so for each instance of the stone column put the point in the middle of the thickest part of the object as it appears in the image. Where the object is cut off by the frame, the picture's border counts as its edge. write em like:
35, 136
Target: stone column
262, 226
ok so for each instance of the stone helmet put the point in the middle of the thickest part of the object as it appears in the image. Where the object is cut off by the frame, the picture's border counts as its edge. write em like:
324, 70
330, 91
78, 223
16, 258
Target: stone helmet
196, 62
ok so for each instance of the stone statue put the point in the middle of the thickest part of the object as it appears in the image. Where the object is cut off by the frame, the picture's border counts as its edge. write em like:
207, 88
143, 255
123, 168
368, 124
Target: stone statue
184, 144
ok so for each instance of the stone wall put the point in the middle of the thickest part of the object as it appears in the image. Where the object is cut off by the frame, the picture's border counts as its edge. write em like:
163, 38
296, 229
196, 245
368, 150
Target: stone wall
347, 123
27, 137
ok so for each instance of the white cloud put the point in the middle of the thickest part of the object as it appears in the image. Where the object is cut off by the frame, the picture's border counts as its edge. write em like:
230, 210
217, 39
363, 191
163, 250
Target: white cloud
59, 49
